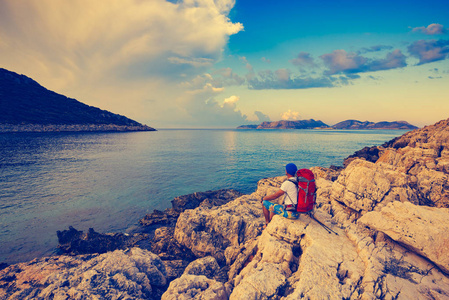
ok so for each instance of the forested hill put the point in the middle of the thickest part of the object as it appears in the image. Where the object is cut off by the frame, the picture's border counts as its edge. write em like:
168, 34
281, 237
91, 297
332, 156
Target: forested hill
25, 102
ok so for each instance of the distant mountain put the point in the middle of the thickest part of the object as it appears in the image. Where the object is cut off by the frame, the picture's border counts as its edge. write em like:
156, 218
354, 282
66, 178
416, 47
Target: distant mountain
25, 105
283, 124
355, 124
348, 124
247, 127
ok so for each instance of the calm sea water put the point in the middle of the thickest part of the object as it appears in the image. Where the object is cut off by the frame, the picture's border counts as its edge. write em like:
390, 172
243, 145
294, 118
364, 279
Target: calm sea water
108, 181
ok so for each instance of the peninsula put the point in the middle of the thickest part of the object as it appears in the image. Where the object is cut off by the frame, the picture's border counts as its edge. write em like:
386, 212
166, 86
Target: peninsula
26, 106
344, 125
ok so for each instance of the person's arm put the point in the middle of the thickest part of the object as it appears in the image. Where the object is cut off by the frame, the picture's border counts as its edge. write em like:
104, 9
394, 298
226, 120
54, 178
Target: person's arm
273, 196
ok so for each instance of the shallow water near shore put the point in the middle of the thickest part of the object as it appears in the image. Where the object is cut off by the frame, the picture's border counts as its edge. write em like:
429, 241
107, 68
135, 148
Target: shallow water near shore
108, 181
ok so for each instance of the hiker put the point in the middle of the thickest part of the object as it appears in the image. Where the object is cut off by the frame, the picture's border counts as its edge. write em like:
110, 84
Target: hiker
288, 208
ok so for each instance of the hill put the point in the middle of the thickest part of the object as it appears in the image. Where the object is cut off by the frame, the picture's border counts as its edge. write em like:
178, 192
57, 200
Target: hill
25, 105
284, 124
348, 124
355, 124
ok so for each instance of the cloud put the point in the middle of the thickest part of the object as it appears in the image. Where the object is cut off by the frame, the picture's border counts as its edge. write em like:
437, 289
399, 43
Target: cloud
261, 117
303, 60
231, 101
342, 62
219, 78
392, 60
282, 79
290, 115
264, 59
195, 62
201, 108
376, 48
432, 29
428, 51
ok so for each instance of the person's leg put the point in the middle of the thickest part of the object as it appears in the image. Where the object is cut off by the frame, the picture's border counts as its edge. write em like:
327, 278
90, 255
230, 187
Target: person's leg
266, 214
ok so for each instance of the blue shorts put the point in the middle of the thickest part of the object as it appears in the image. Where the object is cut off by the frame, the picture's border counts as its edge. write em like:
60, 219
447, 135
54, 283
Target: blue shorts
279, 210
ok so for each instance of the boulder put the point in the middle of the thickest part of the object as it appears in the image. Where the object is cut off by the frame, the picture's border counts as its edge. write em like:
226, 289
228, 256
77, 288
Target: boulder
129, 274
75, 242
422, 229
364, 185
210, 231
208, 199
195, 287
206, 266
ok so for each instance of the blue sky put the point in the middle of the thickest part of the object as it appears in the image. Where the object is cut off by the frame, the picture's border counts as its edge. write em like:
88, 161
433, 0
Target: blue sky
223, 63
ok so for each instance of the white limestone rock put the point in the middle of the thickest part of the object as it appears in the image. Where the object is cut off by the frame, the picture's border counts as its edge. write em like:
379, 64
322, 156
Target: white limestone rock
122, 274
423, 229
195, 287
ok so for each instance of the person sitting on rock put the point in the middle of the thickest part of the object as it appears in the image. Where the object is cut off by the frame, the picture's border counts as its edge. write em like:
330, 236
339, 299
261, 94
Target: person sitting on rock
288, 208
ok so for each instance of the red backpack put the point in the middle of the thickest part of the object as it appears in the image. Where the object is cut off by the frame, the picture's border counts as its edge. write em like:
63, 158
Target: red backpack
306, 190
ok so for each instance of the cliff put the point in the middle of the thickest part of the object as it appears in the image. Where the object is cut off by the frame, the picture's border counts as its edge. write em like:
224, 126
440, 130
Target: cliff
27, 106
354, 124
390, 213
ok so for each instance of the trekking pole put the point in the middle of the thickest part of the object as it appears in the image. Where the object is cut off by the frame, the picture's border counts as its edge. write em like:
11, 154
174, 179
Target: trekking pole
323, 225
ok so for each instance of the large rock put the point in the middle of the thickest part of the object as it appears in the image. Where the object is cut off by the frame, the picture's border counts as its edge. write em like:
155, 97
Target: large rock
130, 274
211, 231
294, 260
422, 229
364, 185
208, 199
195, 287
76, 242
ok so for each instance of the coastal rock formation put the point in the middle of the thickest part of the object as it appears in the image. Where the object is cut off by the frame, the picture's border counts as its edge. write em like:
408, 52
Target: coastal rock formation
389, 214
434, 136
75, 242
129, 274
420, 228
213, 231
179, 204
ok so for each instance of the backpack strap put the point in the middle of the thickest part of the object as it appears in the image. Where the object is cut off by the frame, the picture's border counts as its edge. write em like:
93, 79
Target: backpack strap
296, 185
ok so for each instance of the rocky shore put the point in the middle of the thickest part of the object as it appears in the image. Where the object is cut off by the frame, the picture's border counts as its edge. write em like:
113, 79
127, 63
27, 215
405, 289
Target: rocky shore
4, 128
389, 206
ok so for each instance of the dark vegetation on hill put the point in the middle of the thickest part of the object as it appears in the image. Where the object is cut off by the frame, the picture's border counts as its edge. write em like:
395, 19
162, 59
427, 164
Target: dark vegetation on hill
24, 101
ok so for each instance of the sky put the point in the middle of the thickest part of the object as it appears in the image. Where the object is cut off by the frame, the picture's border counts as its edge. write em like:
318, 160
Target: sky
225, 63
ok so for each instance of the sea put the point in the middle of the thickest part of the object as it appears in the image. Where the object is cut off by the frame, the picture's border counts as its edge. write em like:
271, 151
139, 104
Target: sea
108, 181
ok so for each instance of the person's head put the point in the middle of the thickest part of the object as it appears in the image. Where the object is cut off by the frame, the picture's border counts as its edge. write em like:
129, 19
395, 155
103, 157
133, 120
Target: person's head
290, 169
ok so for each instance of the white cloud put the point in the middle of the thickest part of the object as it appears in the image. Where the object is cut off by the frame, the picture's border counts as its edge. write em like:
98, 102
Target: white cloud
290, 115
231, 101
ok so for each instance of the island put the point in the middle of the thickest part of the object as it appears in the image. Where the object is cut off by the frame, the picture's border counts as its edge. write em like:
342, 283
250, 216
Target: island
26, 106
285, 124
344, 125
355, 124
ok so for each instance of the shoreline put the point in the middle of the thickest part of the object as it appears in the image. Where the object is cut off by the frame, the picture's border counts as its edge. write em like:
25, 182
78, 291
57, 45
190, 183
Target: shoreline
11, 128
